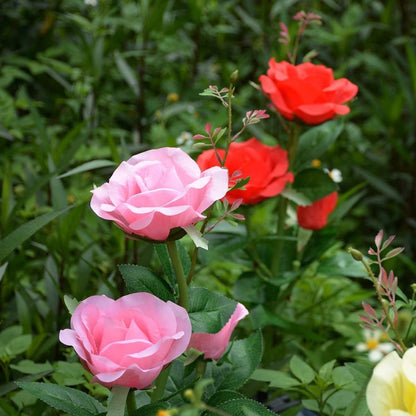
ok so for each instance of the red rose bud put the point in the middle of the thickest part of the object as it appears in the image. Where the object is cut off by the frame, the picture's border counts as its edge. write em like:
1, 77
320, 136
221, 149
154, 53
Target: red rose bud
315, 216
307, 91
265, 165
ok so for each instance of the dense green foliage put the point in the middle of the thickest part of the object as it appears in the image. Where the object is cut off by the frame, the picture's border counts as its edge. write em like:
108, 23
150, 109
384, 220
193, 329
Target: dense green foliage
84, 87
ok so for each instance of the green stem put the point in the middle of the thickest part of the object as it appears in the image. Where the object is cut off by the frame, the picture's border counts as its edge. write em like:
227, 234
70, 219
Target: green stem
180, 275
383, 305
281, 212
160, 384
230, 118
131, 402
117, 403
282, 204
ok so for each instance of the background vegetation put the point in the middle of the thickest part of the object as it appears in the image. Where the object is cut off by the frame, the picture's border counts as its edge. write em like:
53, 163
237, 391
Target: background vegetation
84, 87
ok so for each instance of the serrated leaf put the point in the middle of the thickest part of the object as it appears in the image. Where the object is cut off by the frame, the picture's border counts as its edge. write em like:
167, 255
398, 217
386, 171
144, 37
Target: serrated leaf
140, 279
209, 311
64, 398
244, 356
243, 407
301, 370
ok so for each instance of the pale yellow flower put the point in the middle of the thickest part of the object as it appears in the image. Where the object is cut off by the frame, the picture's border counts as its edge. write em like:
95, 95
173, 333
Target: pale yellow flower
392, 387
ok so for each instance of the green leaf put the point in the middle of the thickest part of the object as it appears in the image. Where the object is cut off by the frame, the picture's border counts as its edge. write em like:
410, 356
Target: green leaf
140, 279
244, 356
12, 343
30, 367
222, 396
341, 264
301, 370
162, 253
25, 231
314, 184
64, 398
86, 167
314, 143
127, 73
243, 407
342, 377
361, 374
296, 197
275, 378
325, 372
70, 303
208, 311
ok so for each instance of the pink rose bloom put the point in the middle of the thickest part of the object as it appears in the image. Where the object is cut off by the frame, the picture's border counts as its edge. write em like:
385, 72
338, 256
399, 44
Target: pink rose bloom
214, 345
158, 190
127, 341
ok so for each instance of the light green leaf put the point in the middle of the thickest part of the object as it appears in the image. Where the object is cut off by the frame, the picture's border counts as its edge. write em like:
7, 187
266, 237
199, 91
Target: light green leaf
30, 367
301, 370
275, 378
85, 167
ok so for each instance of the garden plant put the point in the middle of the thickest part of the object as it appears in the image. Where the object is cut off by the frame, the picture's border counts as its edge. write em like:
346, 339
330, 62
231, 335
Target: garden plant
193, 198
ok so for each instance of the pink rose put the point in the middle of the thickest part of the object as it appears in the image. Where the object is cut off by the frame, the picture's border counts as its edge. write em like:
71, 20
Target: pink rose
214, 345
307, 91
127, 341
158, 190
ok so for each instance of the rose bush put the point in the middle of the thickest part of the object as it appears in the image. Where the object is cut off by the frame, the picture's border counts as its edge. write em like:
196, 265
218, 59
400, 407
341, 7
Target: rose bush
265, 165
214, 345
307, 91
157, 191
127, 341
315, 216
392, 387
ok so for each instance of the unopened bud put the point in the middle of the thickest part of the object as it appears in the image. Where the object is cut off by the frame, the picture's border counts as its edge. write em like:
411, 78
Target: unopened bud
413, 286
234, 77
189, 395
356, 255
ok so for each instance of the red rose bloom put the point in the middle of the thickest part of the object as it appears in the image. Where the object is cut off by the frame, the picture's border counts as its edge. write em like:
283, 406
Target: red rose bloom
315, 216
265, 165
307, 91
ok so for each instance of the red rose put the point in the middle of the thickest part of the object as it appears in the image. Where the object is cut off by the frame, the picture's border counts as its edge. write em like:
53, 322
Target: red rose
315, 216
265, 165
307, 91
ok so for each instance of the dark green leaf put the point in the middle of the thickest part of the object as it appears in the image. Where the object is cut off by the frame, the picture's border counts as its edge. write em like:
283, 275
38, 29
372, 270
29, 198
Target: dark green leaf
314, 184
64, 398
140, 279
208, 311
243, 407
314, 142
244, 356
25, 231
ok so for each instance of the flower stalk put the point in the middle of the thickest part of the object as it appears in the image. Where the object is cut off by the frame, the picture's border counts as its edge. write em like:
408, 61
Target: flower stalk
180, 275
117, 402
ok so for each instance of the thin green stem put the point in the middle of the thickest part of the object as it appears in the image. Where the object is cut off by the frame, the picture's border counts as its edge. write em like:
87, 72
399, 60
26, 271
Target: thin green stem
230, 119
131, 402
282, 203
180, 275
383, 305
117, 403
160, 384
